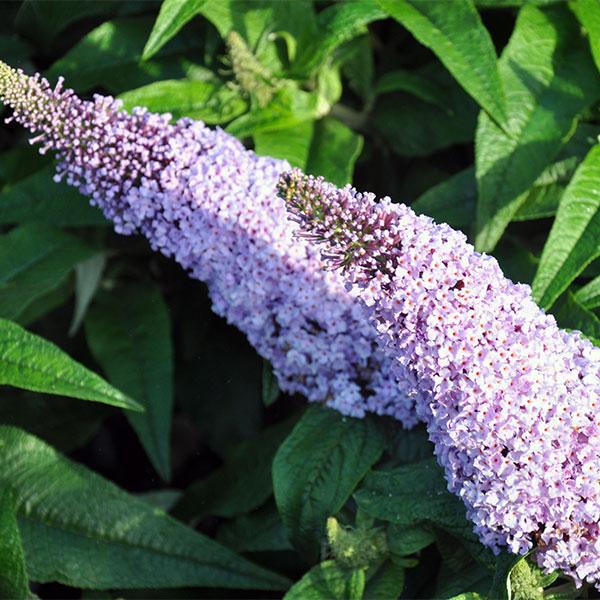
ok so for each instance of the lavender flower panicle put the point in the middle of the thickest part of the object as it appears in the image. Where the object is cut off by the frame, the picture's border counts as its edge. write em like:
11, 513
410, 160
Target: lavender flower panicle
510, 400
199, 196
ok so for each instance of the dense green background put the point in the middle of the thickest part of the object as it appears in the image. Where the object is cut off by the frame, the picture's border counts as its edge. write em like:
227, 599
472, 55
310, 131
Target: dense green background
480, 114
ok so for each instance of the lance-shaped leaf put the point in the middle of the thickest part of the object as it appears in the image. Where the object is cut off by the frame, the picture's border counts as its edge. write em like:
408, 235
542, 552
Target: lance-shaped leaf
401, 80
34, 260
14, 581
461, 42
173, 15
549, 77
317, 468
88, 275
242, 484
32, 363
589, 295
128, 332
328, 148
81, 530
574, 239
336, 24
109, 56
210, 101
572, 315
588, 13
38, 199
329, 581
334, 150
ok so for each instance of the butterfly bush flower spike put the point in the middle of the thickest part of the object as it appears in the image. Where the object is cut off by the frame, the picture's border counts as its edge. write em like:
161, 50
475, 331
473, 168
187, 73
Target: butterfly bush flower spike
199, 196
510, 400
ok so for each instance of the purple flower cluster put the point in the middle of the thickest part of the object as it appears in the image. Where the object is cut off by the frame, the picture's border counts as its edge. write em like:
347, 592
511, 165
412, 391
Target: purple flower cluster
199, 196
510, 400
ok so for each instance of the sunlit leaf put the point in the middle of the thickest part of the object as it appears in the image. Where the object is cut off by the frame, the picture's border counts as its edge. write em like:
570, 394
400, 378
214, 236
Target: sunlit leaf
549, 77
461, 42
328, 581
81, 530
588, 13
173, 15
210, 101
589, 295
13, 572
573, 242
32, 363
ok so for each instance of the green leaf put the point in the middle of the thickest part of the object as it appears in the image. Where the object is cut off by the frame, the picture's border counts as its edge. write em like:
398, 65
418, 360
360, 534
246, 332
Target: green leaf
88, 275
64, 423
452, 201
109, 56
511, 3
219, 386
46, 304
20, 162
38, 199
513, 580
44, 20
386, 583
404, 540
270, 387
589, 295
210, 101
317, 468
411, 494
239, 486
358, 65
473, 577
260, 531
288, 108
549, 77
517, 263
461, 42
163, 499
290, 143
500, 587
129, 334
32, 363
173, 15
255, 20
541, 202
414, 127
573, 242
34, 260
328, 581
14, 50
572, 315
14, 582
526, 581
423, 88
405, 446
417, 494
588, 13
336, 24
81, 530
327, 147
333, 151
